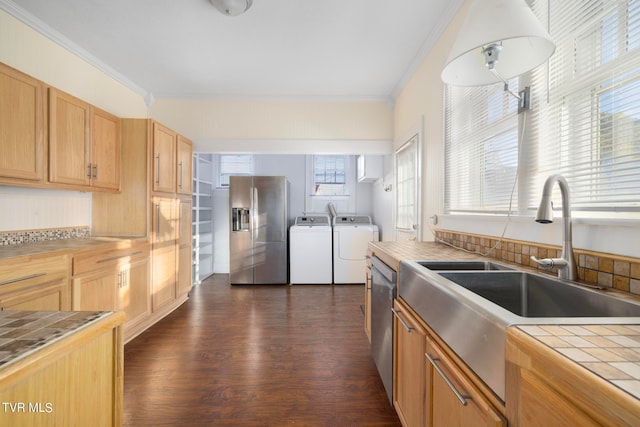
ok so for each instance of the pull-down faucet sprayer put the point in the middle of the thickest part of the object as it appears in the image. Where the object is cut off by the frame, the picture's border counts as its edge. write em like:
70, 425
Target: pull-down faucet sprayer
567, 267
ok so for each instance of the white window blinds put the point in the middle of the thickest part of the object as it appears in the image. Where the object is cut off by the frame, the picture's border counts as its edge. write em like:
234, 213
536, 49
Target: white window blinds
234, 164
589, 114
584, 122
481, 148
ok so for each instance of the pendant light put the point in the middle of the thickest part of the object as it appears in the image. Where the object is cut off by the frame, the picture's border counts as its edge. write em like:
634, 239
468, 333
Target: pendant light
231, 7
499, 39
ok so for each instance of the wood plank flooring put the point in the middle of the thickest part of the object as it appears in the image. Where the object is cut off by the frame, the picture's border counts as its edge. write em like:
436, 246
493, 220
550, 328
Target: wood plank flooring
257, 356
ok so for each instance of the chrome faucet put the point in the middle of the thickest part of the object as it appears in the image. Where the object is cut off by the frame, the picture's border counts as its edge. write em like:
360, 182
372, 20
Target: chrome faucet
567, 267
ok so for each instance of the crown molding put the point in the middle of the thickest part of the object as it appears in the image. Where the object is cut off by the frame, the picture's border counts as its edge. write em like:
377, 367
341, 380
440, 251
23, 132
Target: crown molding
40, 26
443, 21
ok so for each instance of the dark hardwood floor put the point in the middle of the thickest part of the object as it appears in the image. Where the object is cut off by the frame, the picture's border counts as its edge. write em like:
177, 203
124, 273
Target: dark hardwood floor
257, 356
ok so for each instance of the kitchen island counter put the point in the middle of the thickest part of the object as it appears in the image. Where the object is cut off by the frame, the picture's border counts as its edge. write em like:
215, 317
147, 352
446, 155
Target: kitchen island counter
61, 368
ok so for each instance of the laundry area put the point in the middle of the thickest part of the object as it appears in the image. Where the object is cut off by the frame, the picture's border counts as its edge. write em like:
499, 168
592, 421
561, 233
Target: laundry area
325, 218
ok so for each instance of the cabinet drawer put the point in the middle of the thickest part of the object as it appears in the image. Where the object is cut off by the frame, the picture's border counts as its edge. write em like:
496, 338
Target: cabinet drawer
109, 258
25, 272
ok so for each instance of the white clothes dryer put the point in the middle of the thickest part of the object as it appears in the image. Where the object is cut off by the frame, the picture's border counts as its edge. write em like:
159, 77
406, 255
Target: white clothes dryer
351, 237
310, 260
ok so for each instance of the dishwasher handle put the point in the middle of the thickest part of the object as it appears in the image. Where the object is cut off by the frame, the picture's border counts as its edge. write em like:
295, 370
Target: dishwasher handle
384, 269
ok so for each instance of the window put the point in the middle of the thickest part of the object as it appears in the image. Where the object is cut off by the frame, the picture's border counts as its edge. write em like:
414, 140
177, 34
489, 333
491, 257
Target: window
584, 122
233, 164
407, 181
329, 175
481, 148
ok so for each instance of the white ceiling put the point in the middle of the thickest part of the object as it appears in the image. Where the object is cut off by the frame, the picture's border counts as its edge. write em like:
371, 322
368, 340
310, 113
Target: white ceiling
348, 49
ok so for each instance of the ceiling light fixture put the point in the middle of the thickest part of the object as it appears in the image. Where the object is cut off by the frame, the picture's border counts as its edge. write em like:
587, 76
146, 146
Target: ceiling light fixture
499, 40
231, 7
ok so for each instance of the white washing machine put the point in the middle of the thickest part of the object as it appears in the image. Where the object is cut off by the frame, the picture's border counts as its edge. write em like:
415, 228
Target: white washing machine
310, 260
351, 236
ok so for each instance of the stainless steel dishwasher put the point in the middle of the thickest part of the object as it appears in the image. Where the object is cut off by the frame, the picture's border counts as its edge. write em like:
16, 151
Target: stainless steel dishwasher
383, 292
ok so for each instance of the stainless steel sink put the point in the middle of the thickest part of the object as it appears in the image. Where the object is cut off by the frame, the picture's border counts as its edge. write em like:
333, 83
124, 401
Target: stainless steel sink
471, 310
463, 265
532, 295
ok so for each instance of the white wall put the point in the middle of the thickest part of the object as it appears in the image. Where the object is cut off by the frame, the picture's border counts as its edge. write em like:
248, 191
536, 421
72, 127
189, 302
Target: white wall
279, 126
383, 201
31, 208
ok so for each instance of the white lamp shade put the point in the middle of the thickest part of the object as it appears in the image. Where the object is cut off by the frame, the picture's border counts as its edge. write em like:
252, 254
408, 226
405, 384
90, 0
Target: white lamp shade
231, 7
510, 23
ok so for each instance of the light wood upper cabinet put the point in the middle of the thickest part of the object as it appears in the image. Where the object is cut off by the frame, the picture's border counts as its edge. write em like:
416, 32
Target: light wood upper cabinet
184, 167
84, 144
164, 159
105, 149
69, 119
22, 127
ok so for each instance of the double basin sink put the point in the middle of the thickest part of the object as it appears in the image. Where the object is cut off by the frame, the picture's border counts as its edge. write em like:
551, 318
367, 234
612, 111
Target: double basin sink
470, 305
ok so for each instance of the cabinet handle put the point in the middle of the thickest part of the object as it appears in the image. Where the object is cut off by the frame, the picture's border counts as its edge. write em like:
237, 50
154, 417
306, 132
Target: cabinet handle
119, 256
158, 169
180, 166
397, 314
95, 171
89, 171
20, 279
461, 397
157, 220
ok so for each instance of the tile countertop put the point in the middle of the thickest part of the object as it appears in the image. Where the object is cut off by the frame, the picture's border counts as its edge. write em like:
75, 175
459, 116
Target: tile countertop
24, 332
394, 252
64, 245
611, 352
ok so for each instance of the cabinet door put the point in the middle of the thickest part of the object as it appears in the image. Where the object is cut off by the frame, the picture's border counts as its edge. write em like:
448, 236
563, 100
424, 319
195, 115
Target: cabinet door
409, 368
164, 159
95, 292
185, 162
68, 139
133, 291
163, 252
21, 122
105, 150
455, 401
184, 248
53, 296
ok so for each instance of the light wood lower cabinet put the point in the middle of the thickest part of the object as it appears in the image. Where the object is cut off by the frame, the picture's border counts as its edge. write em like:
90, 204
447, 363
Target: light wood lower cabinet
133, 293
35, 284
547, 389
455, 401
431, 386
75, 381
163, 252
185, 254
114, 279
409, 391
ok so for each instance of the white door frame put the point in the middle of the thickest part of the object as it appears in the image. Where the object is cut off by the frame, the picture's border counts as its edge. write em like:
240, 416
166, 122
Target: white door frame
414, 133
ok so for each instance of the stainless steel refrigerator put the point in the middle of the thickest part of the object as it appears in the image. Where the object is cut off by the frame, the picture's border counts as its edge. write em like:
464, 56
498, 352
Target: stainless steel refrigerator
258, 237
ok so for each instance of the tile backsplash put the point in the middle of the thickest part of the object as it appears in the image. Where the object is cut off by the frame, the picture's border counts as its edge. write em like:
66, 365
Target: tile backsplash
602, 269
41, 235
